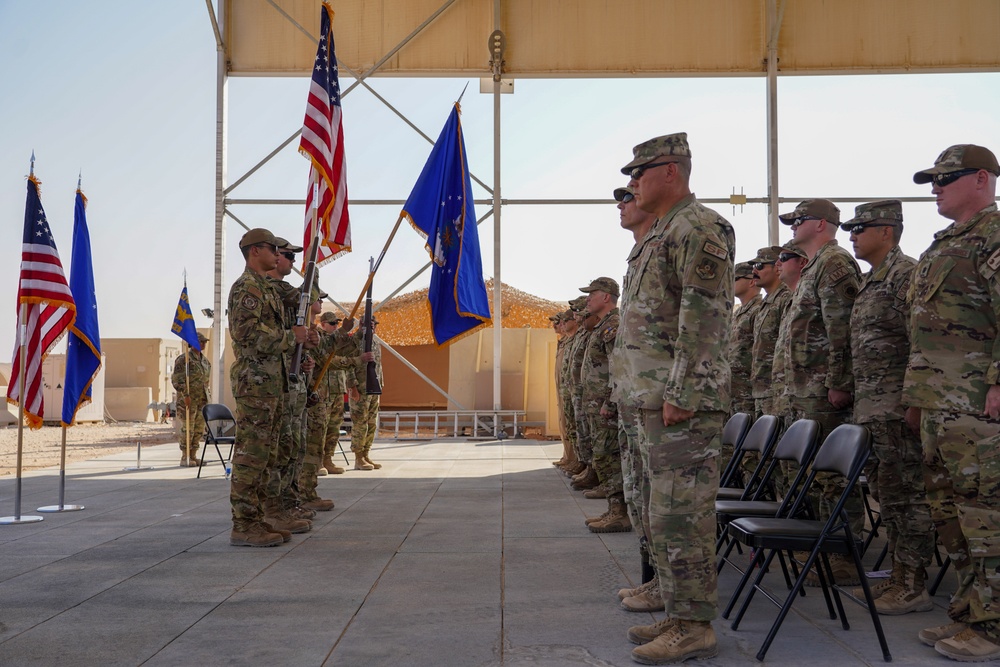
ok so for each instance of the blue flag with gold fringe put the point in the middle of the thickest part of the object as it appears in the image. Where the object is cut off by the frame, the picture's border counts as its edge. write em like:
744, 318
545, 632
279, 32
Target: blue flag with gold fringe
184, 321
83, 352
441, 209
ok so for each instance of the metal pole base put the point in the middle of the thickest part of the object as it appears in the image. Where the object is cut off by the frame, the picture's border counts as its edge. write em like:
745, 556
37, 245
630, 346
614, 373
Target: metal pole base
138, 468
9, 520
60, 508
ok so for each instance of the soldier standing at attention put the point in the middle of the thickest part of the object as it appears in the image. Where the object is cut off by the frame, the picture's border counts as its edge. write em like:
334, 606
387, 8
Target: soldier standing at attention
587, 478
364, 407
952, 385
766, 326
190, 379
675, 335
571, 329
880, 347
741, 342
259, 380
568, 455
819, 384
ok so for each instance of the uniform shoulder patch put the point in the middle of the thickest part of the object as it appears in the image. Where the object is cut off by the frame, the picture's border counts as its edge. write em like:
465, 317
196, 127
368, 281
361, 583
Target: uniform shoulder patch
994, 261
902, 293
839, 272
254, 291
715, 250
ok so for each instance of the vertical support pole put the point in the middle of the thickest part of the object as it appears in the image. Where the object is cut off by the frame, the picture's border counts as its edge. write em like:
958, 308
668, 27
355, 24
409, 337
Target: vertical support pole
497, 286
221, 148
773, 28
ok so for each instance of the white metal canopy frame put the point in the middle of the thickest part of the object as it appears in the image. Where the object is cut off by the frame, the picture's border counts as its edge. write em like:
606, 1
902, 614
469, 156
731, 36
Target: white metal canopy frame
570, 38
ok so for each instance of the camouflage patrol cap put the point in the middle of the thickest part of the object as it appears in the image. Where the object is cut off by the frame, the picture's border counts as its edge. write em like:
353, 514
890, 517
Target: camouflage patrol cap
558, 317
957, 158
824, 209
202, 338
257, 235
886, 211
768, 255
791, 246
668, 145
602, 284
283, 244
743, 270
578, 304
621, 192
329, 317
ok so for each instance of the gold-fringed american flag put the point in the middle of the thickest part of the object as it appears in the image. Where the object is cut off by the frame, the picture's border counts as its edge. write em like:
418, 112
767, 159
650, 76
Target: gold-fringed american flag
323, 143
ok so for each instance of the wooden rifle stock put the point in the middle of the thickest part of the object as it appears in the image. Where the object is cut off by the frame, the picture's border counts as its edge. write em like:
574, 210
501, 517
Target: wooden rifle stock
372, 385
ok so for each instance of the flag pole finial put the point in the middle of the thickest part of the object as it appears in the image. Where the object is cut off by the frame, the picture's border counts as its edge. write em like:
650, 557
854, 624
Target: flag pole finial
459, 100
79, 180
31, 174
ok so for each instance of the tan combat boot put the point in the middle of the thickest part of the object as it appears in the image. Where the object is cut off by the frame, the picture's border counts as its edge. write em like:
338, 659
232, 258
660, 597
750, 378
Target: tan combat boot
877, 586
581, 475
617, 521
631, 592
282, 519
844, 572
907, 594
931, 636
285, 535
331, 467
597, 519
321, 471
646, 600
361, 464
574, 468
318, 505
681, 641
255, 535
599, 491
643, 634
374, 465
588, 481
969, 645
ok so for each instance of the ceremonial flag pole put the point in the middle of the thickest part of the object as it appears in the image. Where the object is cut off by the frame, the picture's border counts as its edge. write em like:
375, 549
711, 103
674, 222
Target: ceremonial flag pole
46, 310
184, 327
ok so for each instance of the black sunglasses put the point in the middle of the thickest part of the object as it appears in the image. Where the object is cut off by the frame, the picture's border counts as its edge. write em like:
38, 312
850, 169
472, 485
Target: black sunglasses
757, 266
798, 221
942, 180
290, 256
788, 256
627, 197
270, 246
861, 227
637, 173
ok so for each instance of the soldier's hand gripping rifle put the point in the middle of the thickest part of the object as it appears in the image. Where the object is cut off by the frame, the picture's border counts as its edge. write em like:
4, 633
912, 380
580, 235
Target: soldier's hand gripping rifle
306, 297
372, 385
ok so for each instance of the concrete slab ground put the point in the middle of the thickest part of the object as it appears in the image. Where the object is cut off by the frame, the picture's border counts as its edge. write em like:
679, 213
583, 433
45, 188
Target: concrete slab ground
457, 552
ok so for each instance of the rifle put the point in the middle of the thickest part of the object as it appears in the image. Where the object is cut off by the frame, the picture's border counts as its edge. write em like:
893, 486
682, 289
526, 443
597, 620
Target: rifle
372, 385
307, 285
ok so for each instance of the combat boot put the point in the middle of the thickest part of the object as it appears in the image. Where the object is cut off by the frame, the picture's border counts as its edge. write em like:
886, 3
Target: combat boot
643, 634
681, 641
877, 587
844, 572
256, 535
907, 594
283, 520
617, 521
589, 481
574, 468
646, 600
970, 645
374, 465
285, 535
631, 592
361, 464
584, 472
597, 519
331, 467
318, 505
321, 471
931, 636
299, 512
599, 491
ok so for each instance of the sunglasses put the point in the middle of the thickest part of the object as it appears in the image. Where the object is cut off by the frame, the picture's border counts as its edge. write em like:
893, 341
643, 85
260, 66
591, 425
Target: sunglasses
627, 197
942, 180
290, 256
757, 266
860, 228
788, 256
637, 173
273, 249
798, 221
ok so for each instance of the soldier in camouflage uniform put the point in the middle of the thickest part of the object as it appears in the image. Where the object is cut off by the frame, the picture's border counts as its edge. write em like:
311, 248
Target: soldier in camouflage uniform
953, 384
571, 330
364, 406
602, 414
880, 346
635, 481
190, 379
587, 479
818, 365
568, 455
259, 380
336, 390
741, 341
675, 329
765, 328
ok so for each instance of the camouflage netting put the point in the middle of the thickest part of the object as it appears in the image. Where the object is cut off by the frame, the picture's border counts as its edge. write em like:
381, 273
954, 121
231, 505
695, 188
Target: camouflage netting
406, 320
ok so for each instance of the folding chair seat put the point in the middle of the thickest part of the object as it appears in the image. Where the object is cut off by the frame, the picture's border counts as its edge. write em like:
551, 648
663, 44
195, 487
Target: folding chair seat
844, 452
220, 429
760, 439
732, 436
798, 444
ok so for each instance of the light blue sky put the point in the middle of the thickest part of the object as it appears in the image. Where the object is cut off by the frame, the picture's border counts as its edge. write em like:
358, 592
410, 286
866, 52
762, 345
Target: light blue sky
125, 92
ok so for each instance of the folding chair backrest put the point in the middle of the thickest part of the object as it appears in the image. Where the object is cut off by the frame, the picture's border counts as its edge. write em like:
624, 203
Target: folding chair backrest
760, 439
733, 434
843, 452
220, 423
799, 444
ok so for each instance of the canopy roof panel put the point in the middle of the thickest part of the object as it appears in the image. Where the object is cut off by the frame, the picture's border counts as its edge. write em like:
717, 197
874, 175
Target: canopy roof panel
613, 38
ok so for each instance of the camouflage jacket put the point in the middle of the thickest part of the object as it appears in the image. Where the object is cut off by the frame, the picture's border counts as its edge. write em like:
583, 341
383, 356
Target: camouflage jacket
677, 312
955, 302
765, 337
290, 302
565, 376
194, 382
334, 381
595, 374
819, 334
358, 375
779, 374
741, 348
622, 391
880, 339
575, 374
560, 349
260, 339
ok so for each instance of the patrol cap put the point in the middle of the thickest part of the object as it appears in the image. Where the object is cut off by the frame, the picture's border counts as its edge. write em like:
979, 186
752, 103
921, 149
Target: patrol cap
790, 246
620, 194
283, 244
957, 158
669, 145
824, 209
886, 211
743, 270
202, 338
768, 255
257, 235
329, 317
556, 318
603, 284
578, 304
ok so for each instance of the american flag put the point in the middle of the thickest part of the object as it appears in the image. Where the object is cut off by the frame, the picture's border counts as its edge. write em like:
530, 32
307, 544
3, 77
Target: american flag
45, 301
323, 143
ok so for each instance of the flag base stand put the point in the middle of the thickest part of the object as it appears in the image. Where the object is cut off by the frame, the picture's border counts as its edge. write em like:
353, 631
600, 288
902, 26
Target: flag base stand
10, 520
60, 508
138, 459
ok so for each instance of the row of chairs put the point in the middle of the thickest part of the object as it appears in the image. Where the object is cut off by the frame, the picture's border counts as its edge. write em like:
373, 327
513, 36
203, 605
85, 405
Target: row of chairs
776, 526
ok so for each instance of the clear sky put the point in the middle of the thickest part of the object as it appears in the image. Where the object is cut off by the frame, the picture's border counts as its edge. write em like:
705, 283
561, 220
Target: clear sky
124, 91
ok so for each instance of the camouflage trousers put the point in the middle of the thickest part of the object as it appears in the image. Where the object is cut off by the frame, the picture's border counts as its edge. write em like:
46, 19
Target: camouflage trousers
682, 463
763, 406
584, 441
827, 488
364, 423
258, 423
569, 423
902, 498
968, 446
197, 425
316, 422
606, 460
284, 468
333, 423
635, 481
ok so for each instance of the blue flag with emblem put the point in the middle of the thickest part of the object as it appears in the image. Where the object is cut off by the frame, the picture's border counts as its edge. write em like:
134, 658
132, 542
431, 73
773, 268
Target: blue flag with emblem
440, 208
184, 321
83, 353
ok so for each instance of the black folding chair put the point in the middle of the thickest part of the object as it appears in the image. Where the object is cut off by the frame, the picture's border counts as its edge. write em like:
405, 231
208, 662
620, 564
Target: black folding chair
759, 439
844, 452
220, 429
732, 435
